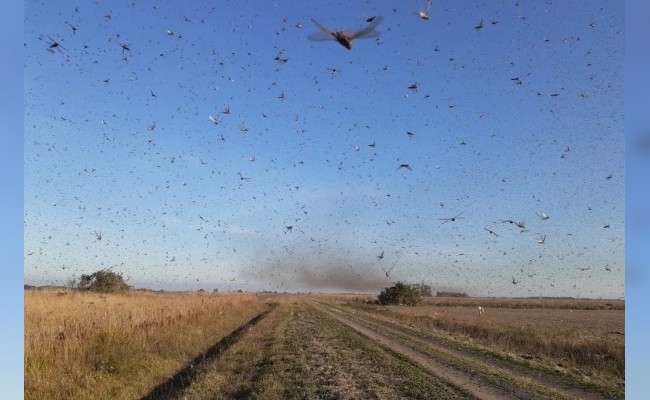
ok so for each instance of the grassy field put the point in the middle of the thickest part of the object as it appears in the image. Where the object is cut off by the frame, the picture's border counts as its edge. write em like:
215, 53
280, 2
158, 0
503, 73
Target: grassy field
119, 346
234, 346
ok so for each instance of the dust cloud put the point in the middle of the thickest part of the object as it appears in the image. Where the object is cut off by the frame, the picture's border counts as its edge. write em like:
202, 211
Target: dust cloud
335, 276
342, 279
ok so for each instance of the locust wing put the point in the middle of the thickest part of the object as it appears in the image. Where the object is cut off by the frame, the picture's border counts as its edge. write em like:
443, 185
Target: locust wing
367, 32
324, 34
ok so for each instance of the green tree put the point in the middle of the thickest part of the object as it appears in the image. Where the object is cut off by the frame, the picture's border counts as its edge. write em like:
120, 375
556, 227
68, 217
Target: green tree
104, 281
400, 294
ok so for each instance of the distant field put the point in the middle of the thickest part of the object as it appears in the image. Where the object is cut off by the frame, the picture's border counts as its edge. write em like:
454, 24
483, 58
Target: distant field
234, 346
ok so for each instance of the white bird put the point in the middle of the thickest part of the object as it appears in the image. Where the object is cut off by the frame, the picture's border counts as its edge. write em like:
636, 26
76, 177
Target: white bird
213, 120
481, 310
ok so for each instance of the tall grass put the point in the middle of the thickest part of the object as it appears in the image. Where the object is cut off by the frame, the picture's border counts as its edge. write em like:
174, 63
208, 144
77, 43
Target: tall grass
95, 346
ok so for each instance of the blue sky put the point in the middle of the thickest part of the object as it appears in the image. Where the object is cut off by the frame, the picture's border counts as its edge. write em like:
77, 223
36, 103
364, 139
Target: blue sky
285, 192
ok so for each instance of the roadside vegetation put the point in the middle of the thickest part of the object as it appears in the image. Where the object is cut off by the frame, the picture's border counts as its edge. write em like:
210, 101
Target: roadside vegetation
115, 346
400, 294
103, 281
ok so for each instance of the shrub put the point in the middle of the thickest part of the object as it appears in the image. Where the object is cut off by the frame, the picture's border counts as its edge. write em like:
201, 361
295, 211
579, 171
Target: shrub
103, 281
400, 294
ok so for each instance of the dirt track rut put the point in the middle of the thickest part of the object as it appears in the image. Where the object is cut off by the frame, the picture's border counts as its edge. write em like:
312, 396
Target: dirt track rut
477, 381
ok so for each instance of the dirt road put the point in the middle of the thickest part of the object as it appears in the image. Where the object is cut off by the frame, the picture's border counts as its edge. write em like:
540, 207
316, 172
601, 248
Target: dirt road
483, 377
315, 350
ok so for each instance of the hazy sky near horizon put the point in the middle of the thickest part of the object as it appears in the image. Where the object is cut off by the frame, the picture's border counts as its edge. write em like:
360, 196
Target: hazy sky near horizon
515, 111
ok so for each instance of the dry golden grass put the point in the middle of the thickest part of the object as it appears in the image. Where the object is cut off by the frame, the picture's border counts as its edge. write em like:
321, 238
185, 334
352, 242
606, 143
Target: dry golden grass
496, 302
118, 346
